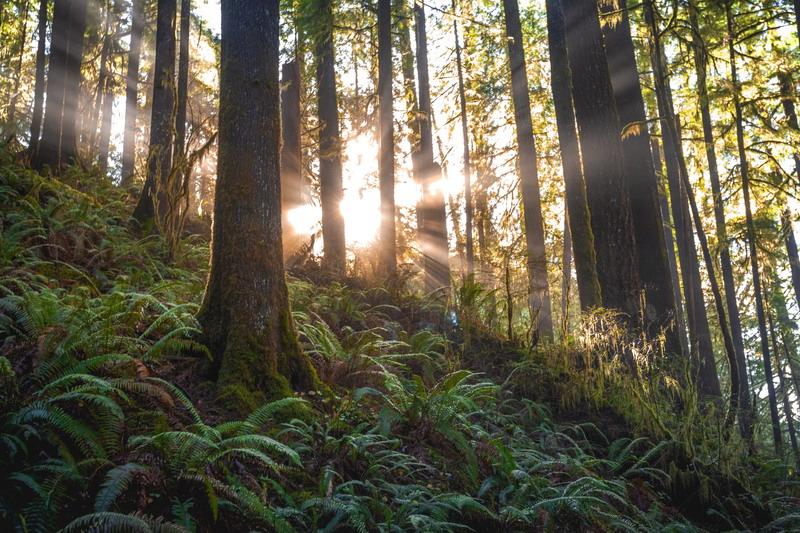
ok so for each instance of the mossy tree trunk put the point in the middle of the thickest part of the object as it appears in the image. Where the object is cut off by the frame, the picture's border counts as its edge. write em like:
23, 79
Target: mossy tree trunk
247, 323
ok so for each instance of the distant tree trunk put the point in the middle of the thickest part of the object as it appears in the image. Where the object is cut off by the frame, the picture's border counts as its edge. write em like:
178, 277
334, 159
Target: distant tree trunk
669, 241
291, 153
388, 245
57, 144
246, 319
105, 128
539, 298
39, 85
699, 331
132, 92
435, 243
92, 131
566, 277
660, 309
574, 187
722, 232
603, 164
751, 237
788, 414
23, 35
462, 97
183, 83
330, 144
153, 199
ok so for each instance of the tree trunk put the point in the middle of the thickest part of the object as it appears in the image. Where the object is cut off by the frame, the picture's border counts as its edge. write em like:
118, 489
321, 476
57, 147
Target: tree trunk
93, 129
132, 92
246, 319
751, 238
39, 85
669, 241
539, 297
574, 187
603, 165
462, 97
660, 309
436, 248
330, 144
23, 35
105, 128
702, 360
291, 154
388, 245
722, 232
57, 144
153, 199
787, 404
566, 278
183, 83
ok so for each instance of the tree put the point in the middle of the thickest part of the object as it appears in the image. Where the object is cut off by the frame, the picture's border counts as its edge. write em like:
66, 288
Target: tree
58, 142
38, 91
434, 216
153, 199
388, 251
330, 143
603, 164
529, 178
651, 252
574, 186
183, 86
247, 323
132, 91
462, 99
291, 152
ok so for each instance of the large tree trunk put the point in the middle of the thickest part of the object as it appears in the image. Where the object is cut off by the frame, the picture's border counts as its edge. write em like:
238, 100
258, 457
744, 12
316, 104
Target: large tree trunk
539, 298
38, 91
702, 360
330, 144
153, 200
57, 144
388, 245
183, 83
434, 234
751, 238
132, 92
603, 164
23, 35
247, 323
291, 154
722, 232
462, 98
574, 187
660, 308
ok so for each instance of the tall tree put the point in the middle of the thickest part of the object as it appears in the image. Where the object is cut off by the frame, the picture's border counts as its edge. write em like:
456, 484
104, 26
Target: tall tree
388, 250
603, 163
660, 308
529, 177
574, 186
153, 199
58, 142
132, 91
462, 99
434, 230
39, 84
751, 233
247, 323
330, 143
291, 152
23, 35
183, 82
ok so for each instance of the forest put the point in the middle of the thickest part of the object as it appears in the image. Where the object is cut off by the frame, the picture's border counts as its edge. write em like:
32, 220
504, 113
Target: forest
399, 266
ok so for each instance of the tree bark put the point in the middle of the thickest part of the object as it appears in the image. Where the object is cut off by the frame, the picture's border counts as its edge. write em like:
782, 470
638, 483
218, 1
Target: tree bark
660, 309
462, 98
751, 237
39, 84
539, 296
436, 248
132, 92
722, 233
246, 319
388, 245
574, 186
153, 199
603, 164
330, 144
58, 142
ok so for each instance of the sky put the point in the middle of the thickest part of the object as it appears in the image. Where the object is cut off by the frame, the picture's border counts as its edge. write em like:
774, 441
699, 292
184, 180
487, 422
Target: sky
209, 11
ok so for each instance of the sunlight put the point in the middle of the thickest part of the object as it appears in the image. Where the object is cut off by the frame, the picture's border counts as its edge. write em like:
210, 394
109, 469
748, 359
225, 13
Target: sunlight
304, 219
362, 217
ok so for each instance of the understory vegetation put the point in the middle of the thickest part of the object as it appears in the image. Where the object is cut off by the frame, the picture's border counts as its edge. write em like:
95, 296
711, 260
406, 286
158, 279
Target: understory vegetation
427, 417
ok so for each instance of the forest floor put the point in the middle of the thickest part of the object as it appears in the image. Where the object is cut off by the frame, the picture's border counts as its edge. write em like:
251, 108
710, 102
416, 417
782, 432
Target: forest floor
427, 419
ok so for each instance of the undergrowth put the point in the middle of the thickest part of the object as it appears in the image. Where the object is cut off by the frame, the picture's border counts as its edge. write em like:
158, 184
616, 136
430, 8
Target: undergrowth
429, 419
